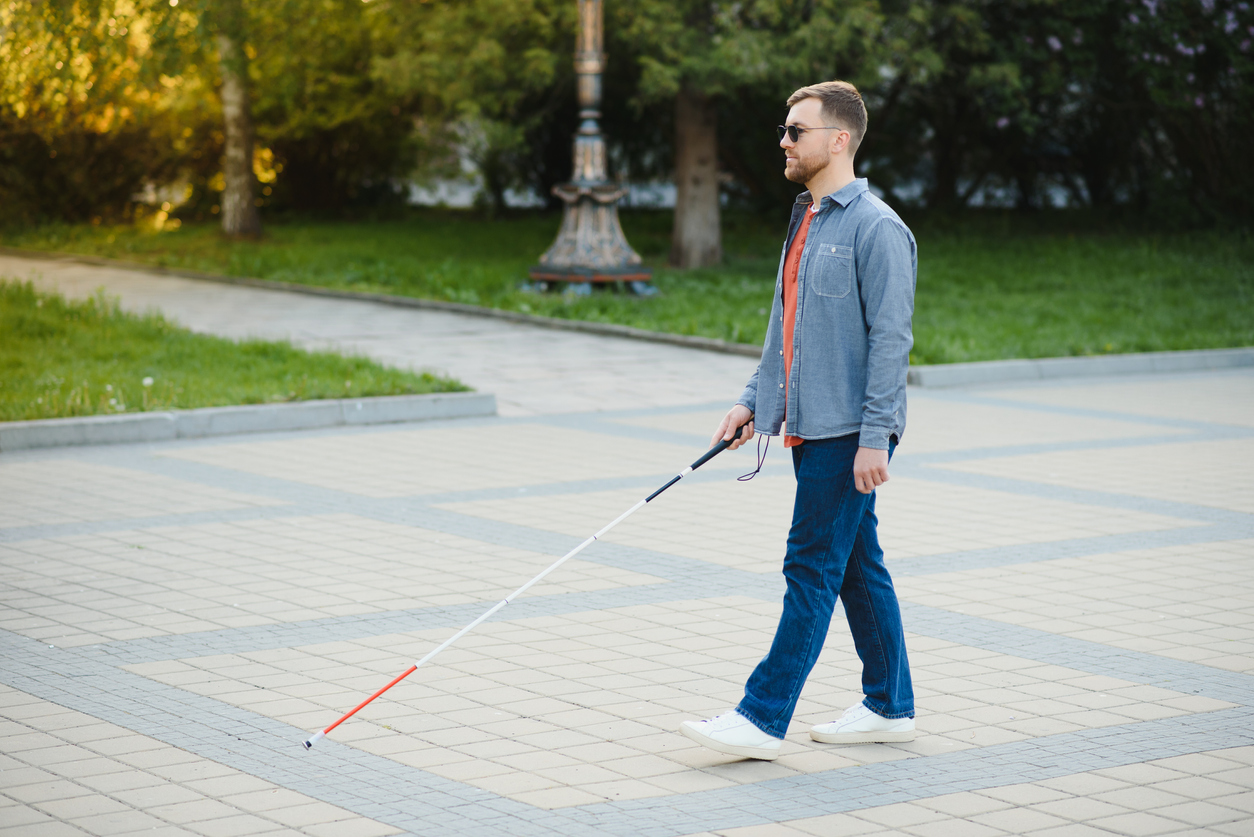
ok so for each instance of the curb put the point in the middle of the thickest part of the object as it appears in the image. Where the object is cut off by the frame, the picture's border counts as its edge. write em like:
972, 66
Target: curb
252, 418
1001, 371
608, 329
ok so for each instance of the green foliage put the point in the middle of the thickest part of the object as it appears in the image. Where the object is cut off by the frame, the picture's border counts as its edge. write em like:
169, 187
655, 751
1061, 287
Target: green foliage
88, 109
340, 136
485, 75
1195, 74
749, 57
991, 285
724, 48
1120, 102
60, 358
1143, 104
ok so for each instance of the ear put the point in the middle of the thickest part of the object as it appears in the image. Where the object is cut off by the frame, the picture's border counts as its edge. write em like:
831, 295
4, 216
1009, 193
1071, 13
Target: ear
839, 143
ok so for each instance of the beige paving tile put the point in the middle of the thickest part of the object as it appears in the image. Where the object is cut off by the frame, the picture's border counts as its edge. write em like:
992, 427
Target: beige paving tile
239, 825
211, 800
51, 828
899, 815
938, 424
350, 828
679, 523
1079, 809
1137, 823
1067, 806
1202, 814
1219, 397
916, 519
1071, 830
700, 422
919, 517
82, 590
834, 825
51, 491
954, 828
765, 830
1211, 473
1193, 602
1199, 764
965, 804
396, 463
1019, 820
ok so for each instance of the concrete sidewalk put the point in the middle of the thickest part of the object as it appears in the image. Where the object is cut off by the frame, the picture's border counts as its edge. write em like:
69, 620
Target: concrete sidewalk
1075, 562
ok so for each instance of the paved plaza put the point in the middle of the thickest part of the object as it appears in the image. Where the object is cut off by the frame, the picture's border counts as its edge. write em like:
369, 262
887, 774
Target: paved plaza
1075, 561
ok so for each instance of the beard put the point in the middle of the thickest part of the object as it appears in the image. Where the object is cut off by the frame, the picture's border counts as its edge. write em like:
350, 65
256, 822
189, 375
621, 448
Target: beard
805, 168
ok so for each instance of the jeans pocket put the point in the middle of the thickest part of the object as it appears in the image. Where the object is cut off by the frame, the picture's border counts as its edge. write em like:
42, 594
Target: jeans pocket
833, 275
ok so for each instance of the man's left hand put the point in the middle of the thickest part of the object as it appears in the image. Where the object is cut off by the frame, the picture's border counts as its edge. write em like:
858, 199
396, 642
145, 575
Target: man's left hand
870, 469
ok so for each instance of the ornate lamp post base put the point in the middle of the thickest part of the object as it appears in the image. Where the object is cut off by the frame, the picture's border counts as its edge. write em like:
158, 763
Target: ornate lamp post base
590, 246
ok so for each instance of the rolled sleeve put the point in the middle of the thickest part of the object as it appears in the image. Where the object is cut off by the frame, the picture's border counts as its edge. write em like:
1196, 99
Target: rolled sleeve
749, 398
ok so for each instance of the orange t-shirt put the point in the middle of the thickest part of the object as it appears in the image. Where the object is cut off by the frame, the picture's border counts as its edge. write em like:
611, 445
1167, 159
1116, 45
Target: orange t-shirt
792, 264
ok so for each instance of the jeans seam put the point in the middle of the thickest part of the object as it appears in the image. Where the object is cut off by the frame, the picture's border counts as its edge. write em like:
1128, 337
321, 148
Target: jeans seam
879, 643
828, 552
875, 625
794, 687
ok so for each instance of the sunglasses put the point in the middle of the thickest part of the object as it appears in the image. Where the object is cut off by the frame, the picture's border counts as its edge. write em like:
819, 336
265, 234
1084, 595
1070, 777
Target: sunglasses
794, 133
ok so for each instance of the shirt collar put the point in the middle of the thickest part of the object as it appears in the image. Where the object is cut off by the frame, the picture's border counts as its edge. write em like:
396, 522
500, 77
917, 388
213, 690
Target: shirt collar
843, 196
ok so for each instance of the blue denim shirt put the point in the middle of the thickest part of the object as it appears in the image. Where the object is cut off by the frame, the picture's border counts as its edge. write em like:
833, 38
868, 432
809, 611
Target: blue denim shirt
852, 337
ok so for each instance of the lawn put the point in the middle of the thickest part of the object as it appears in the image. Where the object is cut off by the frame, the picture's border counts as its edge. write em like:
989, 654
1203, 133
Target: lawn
991, 285
60, 358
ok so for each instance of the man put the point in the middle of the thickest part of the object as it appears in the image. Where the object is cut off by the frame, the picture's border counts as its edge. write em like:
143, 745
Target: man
832, 380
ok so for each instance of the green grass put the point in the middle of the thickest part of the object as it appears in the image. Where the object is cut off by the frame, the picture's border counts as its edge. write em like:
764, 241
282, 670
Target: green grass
992, 285
60, 358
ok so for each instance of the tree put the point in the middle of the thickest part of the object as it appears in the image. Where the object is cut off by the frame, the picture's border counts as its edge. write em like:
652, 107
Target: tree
339, 137
673, 42
1195, 71
89, 109
227, 22
744, 59
487, 74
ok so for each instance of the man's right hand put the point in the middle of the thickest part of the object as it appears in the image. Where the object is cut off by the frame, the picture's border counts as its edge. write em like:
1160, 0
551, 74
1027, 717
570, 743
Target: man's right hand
735, 417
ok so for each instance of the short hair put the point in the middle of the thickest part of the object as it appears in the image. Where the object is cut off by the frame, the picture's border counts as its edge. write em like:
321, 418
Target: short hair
842, 104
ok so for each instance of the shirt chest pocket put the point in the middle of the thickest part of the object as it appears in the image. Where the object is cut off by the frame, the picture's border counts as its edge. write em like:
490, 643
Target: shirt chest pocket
832, 274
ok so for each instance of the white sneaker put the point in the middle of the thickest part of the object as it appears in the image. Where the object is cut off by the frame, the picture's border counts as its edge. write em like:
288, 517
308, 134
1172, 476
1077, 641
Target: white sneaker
860, 725
734, 734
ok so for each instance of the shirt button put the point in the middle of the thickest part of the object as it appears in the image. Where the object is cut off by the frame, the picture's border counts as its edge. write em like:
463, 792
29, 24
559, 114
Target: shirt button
781, 352
781, 386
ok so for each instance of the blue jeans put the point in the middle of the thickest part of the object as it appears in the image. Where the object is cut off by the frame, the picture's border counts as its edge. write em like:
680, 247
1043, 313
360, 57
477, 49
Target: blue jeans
832, 550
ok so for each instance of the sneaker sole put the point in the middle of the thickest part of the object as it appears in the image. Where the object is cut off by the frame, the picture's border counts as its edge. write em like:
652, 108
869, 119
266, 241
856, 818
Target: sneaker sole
863, 737
762, 753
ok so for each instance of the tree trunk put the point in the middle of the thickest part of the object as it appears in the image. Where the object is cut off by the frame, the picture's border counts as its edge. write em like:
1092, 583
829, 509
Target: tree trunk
697, 239
239, 212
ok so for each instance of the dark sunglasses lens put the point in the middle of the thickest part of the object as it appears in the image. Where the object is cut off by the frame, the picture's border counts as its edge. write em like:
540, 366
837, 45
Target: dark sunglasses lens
781, 130
790, 130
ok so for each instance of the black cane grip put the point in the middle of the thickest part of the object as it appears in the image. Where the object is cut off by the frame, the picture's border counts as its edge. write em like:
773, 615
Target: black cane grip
741, 429
719, 447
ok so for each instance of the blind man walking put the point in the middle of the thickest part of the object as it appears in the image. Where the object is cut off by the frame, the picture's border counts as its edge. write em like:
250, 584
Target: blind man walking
832, 380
